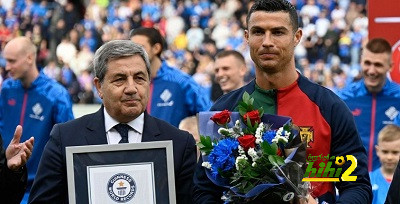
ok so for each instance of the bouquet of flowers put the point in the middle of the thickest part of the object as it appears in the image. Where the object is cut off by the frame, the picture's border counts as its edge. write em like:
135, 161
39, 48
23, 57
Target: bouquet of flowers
255, 156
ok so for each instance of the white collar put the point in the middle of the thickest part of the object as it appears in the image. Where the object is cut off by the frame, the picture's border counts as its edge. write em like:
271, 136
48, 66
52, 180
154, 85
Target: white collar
136, 124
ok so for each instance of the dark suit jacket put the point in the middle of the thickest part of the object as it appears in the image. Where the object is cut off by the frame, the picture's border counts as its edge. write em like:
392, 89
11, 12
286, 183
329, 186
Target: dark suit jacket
393, 196
12, 184
50, 185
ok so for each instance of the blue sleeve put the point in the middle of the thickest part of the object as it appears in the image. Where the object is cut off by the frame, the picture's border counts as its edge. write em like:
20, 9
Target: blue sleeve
63, 108
196, 98
2, 98
346, 141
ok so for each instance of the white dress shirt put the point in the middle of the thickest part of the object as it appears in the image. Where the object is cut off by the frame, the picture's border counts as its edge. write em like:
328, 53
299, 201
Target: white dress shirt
134, 134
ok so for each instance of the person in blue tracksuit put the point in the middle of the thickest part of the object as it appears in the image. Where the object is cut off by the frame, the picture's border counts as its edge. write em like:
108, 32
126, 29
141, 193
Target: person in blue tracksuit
174, 95
388, 150
374, 101
30, 99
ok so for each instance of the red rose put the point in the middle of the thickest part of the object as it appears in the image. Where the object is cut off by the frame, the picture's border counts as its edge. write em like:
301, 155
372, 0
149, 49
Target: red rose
247, 141
222, 118
254, 117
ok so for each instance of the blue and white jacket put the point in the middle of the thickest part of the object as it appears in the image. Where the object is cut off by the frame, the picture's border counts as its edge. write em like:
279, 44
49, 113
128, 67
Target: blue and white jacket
174, 96
37, 109
371, 113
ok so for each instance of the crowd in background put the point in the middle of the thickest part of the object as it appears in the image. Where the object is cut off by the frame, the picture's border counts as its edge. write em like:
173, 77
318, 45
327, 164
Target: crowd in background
68, 33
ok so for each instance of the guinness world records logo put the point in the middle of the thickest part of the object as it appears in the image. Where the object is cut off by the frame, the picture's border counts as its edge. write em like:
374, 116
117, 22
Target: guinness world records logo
121, 188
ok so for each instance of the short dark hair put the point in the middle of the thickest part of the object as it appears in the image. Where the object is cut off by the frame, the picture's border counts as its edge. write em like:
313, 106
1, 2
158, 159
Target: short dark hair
379, 45
152, 34
234, 53
275, 6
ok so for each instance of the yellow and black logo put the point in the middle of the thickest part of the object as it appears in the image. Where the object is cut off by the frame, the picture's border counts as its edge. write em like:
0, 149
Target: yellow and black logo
307, 135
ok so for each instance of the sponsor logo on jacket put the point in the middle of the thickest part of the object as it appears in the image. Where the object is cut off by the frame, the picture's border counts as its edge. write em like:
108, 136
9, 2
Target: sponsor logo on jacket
391, 112
11, 102
37, 110
356, 112
166, 97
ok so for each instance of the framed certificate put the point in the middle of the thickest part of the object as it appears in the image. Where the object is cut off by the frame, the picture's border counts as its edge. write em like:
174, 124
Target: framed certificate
121, 173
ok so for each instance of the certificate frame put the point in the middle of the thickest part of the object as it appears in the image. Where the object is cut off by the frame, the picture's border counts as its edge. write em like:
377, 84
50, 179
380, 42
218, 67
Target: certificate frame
159, 155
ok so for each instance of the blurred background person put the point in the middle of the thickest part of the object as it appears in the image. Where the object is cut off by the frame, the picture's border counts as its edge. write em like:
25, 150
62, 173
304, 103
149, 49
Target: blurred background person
30, 99
174, 95
374, 100
388, 151
230, 70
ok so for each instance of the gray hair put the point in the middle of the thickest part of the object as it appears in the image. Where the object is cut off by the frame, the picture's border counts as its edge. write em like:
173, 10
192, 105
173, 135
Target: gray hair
116, 49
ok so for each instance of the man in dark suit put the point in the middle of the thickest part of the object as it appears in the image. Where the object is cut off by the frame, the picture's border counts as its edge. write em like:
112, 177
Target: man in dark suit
122, 79
13, 174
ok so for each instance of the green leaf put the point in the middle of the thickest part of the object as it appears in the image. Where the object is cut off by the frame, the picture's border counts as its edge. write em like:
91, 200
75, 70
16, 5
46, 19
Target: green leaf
280, 160
267, 149
272, 159
251, 101
248, 122
242, 104
205, 140
250, 108
205, 144
242, 110
261, 111
200, 145
276, 160
287, 127
274, 147
246, 97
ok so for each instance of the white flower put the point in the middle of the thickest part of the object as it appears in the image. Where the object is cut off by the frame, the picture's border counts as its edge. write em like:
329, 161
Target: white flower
241, 157
241, 150
253, 154
278, 139
281, 136
237, 124
259, 141
223, 131
259, 131
236, 130
206, 164
253, 164
287, 134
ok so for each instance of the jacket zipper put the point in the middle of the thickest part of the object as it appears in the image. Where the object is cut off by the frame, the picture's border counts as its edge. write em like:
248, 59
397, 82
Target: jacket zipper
372, 133
21, 119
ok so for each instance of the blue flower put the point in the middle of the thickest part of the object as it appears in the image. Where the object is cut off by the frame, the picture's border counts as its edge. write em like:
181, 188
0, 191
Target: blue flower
269, 135
222, 157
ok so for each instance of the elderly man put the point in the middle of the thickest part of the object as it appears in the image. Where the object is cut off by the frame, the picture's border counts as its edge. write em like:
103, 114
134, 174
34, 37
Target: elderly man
122, 79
